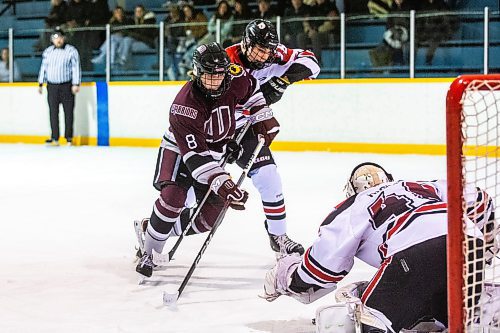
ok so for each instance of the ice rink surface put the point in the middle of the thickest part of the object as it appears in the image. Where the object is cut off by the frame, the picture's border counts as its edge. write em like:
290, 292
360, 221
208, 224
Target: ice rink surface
67, 243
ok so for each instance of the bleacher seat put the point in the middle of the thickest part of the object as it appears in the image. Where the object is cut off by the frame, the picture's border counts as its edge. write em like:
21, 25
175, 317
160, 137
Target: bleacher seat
364, 33
29, 24
144, 61
29, 66
330, 58
32, 9
357, 59
24, 46
478, 4
150, 4
494, 58
467, 57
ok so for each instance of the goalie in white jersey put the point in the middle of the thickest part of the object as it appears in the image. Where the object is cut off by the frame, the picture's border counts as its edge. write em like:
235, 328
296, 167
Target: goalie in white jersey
398, 227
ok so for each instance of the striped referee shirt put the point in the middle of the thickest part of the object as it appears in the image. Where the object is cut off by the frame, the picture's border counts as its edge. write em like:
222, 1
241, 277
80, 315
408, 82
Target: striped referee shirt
60, 65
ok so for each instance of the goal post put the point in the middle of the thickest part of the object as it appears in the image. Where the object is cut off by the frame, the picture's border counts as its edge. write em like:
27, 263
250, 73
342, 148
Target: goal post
473, 159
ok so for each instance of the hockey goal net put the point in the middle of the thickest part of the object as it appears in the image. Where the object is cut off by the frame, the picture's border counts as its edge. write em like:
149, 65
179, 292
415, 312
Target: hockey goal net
473, 161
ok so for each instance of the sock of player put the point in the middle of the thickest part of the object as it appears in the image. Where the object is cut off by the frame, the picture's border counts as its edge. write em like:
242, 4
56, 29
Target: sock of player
268, 182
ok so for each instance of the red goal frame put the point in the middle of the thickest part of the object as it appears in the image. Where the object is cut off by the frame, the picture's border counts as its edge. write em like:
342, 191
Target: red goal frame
454, 152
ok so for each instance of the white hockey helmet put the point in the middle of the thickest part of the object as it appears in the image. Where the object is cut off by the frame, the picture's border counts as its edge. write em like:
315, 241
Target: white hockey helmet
364, 176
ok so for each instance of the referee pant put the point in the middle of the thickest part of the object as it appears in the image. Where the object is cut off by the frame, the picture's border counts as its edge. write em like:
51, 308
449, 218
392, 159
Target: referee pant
60, 93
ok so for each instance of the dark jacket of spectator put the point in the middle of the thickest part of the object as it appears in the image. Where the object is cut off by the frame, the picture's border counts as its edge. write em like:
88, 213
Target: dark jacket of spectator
99, 12
78, 13
173, 33
241, 12
57, 14
325, 8
297, 10
119, 18
265, 10
434, 27
145, 35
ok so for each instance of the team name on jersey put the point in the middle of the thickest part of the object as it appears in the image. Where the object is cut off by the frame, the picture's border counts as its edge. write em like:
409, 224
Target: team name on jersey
182, 110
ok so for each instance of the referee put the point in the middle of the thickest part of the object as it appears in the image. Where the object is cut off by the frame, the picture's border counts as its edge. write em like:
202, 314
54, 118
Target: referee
61, 70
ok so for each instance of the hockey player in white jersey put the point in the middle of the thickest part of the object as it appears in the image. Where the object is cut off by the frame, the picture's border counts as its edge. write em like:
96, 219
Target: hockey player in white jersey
275, 67
398, 227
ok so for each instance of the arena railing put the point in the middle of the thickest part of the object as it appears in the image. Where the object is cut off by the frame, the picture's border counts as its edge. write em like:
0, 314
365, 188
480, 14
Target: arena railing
348, 47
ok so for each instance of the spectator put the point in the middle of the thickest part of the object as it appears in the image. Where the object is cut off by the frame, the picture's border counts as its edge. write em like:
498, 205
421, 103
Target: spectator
56, 17
5, 67
294, 25
265, 11
192, 15
435, 28
223, 13
139, 39
78, 16
379, 8
241, 15
281, 6
173, 35
391, 51
99, 16
118, 19
321, 32
195, 29
61, 70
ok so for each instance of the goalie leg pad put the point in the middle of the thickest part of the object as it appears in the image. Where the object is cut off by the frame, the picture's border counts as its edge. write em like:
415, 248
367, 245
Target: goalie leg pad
334, 319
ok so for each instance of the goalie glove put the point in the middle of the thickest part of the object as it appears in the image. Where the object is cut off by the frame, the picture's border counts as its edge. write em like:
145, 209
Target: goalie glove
223, 185
279, 278
274, 88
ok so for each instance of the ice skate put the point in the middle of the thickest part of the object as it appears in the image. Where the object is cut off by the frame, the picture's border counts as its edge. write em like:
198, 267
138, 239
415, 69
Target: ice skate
140, 230
145, 265
283, 244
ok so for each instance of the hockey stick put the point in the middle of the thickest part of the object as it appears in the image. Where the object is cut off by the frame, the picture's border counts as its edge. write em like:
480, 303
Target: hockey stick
171, 298
162, 259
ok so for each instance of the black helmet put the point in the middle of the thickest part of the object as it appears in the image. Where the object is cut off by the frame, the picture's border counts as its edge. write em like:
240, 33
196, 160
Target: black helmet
263, 33
211, 59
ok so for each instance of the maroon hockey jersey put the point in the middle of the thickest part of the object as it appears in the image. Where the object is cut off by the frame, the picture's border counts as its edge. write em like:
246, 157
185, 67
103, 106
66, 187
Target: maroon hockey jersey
201, 126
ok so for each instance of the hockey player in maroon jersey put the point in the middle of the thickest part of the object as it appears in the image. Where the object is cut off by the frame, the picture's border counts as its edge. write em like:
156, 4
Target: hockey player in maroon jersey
202, 123
276, 67
398, 227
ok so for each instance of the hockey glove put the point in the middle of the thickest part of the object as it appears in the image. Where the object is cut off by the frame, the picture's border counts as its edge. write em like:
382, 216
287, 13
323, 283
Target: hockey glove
274, 89
225, 188
278, 279
233, 151
268, 128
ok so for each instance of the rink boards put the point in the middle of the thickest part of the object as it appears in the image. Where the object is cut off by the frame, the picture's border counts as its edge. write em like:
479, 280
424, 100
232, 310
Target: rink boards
360, 115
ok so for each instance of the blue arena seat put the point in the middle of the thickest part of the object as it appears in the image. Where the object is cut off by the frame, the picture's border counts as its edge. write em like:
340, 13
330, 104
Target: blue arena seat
478, 4
357, 59
29, 24
24, 46
142, 61
330, 58
32, 8
494, 57
364, 33
29, 65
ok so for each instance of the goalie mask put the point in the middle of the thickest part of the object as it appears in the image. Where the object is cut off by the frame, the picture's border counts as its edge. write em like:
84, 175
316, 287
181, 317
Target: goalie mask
365, 176
259, 43
211, 69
